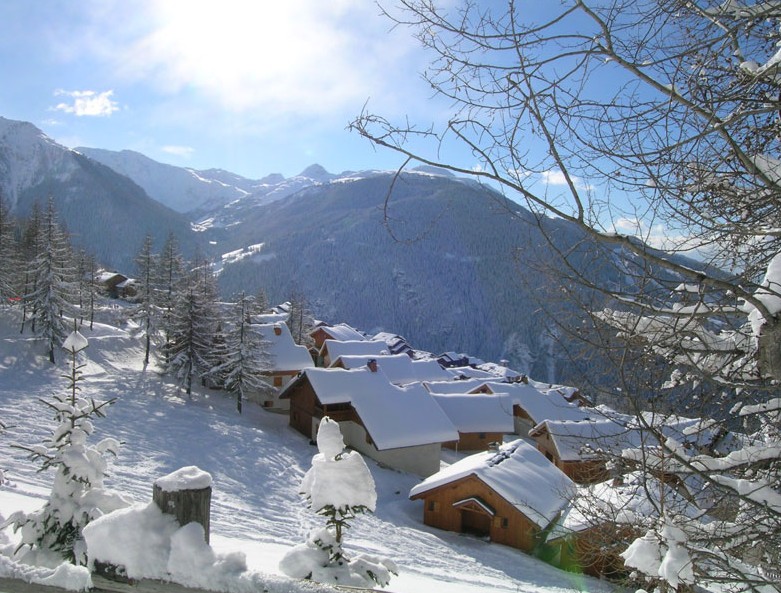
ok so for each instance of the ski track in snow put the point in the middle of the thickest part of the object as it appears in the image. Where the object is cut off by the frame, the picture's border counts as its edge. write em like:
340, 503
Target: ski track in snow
256, 461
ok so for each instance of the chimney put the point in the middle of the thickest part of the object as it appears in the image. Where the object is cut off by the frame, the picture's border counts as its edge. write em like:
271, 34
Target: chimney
277, 330
372, 364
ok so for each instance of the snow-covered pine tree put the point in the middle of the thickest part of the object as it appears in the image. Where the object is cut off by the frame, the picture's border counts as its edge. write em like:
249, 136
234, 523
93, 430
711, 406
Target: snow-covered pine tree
52, 282
28, 249
9, 255
145, 311
338, 486
86, 286
245, 357
169, 277
300, 320
77, 494
190, 331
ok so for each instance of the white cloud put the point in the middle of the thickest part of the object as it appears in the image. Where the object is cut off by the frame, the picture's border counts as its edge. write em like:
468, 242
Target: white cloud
87, 103
556, 177
181, 151
263, 59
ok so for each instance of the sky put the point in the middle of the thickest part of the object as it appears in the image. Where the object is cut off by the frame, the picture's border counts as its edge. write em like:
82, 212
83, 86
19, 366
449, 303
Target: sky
251, 87
254, 88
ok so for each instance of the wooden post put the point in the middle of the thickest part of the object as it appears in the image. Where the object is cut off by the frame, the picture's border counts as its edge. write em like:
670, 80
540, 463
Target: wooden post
186, 494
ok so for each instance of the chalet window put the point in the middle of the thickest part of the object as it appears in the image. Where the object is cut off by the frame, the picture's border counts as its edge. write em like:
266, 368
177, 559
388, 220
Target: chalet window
277, 381
433, 506
505, 522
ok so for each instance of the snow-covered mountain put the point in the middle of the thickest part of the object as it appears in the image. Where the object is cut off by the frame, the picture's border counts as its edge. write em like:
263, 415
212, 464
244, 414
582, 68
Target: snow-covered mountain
27, 155
181, 189
105, 212
197, 192
446, 262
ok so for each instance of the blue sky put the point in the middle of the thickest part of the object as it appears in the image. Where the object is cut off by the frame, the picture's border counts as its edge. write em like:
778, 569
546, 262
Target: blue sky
254, 87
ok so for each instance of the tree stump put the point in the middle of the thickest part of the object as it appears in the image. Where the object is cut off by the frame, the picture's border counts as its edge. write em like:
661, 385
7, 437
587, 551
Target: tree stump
186, 494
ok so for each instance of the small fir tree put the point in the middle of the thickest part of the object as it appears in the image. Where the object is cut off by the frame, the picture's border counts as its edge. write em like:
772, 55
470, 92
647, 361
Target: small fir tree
77, 494
244, 357
339, 487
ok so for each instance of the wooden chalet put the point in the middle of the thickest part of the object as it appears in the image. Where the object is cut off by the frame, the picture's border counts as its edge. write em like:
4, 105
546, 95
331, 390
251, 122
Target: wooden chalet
340, 331
531, 406
510, 495
401, 427
481, 419
109, 281
331, 350
396, 367
399, 368
395, 343
582, 449
286, 360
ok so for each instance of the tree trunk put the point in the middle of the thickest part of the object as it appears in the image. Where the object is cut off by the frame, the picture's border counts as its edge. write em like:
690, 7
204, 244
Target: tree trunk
186, 505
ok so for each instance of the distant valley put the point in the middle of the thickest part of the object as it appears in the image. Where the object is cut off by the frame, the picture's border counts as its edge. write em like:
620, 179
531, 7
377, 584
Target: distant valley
443, 261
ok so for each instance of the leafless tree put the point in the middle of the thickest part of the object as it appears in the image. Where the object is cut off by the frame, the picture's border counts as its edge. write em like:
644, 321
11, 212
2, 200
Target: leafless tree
660, 118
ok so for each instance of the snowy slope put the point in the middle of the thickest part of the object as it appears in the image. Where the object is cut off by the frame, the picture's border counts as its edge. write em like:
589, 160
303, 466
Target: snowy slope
257, 463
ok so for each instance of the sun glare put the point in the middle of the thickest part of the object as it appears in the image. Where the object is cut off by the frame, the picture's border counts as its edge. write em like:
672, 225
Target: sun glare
250, 53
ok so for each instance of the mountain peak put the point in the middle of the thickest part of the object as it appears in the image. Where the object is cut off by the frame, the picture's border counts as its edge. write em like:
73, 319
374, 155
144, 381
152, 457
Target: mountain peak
316, 172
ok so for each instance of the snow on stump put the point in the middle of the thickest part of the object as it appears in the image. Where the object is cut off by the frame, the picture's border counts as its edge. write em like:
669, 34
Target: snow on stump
186, 494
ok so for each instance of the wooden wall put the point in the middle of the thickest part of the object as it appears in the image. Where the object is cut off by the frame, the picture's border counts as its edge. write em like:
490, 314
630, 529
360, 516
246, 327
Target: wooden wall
508, 526
475, 441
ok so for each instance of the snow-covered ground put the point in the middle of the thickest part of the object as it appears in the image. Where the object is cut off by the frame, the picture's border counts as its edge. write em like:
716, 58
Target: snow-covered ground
256, 461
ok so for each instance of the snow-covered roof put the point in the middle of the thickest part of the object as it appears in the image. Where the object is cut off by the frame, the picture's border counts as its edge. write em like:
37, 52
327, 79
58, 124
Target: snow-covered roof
106, 276
270, 318
453, 386
342, 332
478, 412
429, 370
337, 348
518, 473
500, 370
397, 367
541, 406
471, 373
284, 353
586, 438
566, 391
394, 416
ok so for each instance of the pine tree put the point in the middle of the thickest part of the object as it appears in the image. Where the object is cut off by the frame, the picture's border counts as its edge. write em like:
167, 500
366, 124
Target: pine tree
29, 251
9, 255
170, 273
86, 286
190, 331
77, 494
300, 320
246, 355
53, 283
145, 312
